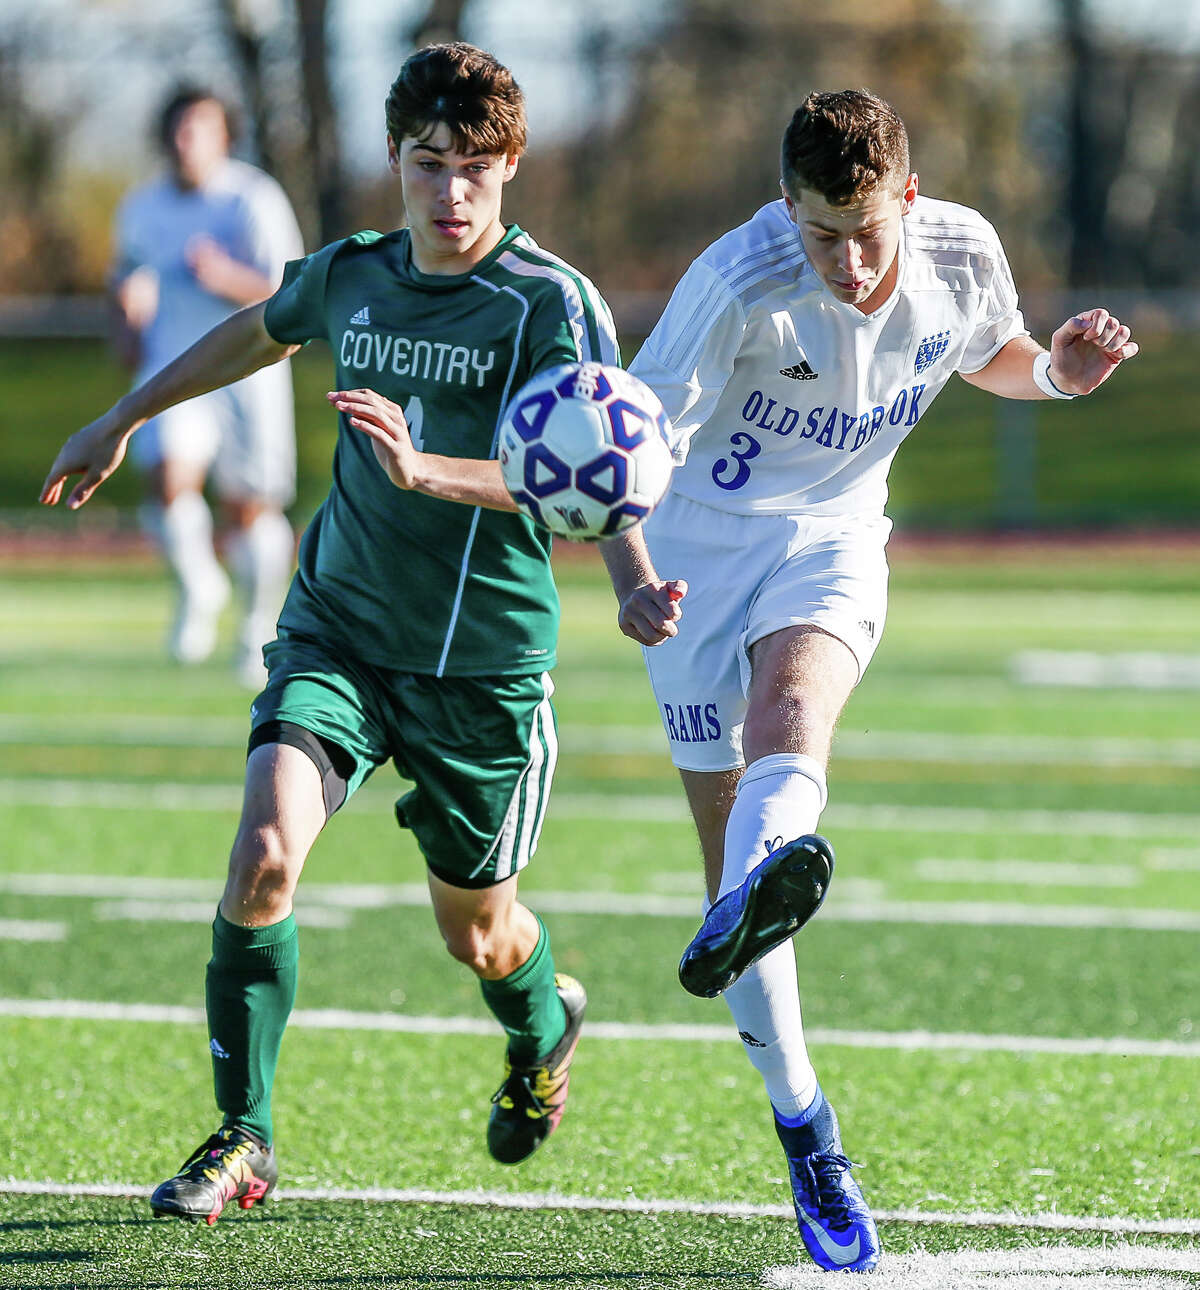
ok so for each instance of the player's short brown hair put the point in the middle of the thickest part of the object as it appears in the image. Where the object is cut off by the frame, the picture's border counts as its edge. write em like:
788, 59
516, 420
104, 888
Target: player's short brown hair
845, 145
466, 89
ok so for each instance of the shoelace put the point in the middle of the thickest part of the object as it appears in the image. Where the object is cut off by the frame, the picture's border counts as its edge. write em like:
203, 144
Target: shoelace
521, 1080
824, 1174
216, 1154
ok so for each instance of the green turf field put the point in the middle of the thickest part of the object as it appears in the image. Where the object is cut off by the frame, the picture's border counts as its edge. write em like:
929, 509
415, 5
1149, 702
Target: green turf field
1002, 991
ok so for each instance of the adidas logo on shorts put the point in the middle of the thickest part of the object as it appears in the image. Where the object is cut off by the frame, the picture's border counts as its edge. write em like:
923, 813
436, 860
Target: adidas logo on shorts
362, 318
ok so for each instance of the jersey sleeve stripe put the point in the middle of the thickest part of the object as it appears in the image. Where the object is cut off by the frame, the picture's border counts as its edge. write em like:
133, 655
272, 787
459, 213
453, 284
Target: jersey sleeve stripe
591, 321
728, 283
681, 357
770, 255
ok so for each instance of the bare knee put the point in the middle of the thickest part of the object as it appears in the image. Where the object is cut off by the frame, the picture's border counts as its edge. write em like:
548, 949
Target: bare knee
790, 718
262, 876
492, 942
239, 513
479, 945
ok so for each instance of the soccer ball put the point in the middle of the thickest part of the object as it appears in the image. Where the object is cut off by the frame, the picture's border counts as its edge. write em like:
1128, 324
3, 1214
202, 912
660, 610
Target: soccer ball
583, 450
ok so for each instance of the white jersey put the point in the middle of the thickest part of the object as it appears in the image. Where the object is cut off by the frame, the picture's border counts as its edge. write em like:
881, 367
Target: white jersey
242, 209
784, 399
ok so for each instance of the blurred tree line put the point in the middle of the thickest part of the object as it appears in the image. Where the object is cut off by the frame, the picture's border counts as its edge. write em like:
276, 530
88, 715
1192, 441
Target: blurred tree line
1083, 148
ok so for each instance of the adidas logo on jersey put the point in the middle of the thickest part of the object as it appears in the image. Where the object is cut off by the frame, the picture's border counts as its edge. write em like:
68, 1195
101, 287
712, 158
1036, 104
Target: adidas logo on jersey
362, 318
800, 371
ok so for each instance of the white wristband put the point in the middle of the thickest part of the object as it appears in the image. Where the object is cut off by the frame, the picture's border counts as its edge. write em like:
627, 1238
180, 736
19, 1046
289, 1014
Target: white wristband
1041, 378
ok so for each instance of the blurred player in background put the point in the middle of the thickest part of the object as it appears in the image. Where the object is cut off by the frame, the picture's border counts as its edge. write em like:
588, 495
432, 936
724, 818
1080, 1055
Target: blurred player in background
793, 358
423, 618
207, 238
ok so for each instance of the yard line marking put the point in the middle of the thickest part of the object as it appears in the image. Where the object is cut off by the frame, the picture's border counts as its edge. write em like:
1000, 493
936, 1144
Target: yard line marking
650, 1205
1029, 873
678, 1032
967, 819
663, 809
31, 929
1144, 670
321, 904
123, 729
1167, 860
198, 911
1021, 750
982, 913
1041, 1268
119, 795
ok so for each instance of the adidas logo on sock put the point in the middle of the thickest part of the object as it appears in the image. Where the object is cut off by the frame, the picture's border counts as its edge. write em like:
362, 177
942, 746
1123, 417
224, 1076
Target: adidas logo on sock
363, 317
214, 1047
800, 371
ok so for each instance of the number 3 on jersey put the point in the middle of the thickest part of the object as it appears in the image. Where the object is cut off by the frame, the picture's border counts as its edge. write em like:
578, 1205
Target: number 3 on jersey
742, 448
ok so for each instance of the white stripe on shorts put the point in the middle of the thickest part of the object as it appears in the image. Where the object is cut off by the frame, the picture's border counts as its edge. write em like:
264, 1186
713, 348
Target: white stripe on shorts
536, 806
518, 836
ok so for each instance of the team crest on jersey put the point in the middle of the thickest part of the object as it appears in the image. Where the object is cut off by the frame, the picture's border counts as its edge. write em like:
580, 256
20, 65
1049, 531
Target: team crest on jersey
930, 350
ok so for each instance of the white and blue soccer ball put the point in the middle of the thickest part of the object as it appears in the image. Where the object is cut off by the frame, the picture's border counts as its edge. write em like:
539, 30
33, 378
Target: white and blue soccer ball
583, 450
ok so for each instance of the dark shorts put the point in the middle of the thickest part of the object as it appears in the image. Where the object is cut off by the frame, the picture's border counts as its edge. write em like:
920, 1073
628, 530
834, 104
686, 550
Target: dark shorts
480, 750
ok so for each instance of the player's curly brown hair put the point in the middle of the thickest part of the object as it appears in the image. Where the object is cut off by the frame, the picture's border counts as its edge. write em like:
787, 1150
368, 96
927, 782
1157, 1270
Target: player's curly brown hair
845, 145
465, 88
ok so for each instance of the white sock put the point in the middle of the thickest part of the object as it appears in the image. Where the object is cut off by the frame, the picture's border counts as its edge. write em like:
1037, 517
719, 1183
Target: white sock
780, 797
184, 532
261, 560
765, 1002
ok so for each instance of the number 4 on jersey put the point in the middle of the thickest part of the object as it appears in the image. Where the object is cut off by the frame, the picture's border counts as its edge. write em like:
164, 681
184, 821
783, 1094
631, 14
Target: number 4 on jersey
414, 414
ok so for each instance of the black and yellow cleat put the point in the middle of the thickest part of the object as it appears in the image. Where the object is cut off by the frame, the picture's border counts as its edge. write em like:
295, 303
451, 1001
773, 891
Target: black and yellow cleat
774, 902
527, 1107
231, 1165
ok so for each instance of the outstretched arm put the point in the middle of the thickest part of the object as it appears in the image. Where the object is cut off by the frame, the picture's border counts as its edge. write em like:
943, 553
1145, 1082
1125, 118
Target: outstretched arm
233, 349
1083, 354
649, 605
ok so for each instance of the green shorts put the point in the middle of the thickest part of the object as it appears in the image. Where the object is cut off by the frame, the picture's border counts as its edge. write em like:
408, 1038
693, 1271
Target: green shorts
480, 750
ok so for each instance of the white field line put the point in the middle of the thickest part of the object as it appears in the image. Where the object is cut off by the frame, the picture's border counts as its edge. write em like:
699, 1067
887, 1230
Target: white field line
1028, 873
1106, 1267
633, 1205
1086, 669
199, 911
158, 795
124, 730
322, 904
1169, 860
400, 1023
31, 929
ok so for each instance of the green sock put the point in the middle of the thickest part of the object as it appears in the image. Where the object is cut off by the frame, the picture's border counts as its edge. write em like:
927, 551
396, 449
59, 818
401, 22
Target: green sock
527, 1005
249, 990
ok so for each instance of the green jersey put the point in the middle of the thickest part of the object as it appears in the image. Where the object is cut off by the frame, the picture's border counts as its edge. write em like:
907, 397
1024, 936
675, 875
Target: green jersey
399, 579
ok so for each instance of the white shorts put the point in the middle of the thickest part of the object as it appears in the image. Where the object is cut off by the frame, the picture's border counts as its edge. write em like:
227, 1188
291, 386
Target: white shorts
749, 576
245, 434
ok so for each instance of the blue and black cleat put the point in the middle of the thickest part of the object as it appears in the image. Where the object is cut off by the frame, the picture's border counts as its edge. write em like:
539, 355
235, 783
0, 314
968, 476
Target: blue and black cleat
835, 1224
774, 902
